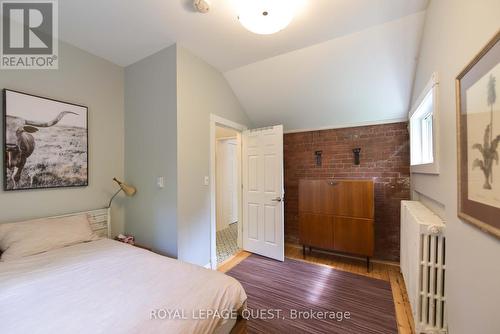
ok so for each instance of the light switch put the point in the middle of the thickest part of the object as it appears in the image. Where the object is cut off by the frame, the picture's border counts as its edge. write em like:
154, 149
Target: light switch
160, 182
206, 181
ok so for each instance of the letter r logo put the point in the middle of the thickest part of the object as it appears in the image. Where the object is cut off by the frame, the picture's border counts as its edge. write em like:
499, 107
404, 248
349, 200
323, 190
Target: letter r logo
27, 28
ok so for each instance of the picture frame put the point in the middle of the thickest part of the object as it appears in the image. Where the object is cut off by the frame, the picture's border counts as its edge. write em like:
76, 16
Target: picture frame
478, 139
45, 142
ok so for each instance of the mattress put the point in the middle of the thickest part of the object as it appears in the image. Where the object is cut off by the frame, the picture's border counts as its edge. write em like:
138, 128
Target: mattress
108, 287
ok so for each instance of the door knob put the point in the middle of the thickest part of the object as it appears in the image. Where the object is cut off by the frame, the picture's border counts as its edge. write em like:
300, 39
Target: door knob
277, 199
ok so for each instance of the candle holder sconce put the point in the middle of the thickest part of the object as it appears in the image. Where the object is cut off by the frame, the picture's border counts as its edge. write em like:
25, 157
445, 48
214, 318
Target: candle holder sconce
318, 154
356, 152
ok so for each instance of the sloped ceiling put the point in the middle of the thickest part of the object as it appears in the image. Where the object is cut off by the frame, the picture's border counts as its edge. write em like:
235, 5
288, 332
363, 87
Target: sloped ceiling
125, 31
362, 78
339, 62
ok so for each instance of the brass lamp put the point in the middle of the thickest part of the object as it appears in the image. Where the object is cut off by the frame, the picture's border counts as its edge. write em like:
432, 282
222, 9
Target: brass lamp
127, 189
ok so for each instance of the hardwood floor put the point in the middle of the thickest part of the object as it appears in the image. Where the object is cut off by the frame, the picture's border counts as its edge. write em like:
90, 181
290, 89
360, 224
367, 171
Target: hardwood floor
233, 261
381, 271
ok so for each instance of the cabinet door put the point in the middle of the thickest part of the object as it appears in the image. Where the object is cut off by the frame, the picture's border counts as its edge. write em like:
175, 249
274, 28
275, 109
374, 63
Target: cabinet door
349, 198
310, 196
353, 235
316, 230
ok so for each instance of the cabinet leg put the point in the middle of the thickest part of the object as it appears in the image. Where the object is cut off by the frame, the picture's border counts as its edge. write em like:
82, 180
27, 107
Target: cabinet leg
310, 249
304, 251
368, 264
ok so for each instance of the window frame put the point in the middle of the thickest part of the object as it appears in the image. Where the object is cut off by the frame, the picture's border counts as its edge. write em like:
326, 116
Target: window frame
432, 87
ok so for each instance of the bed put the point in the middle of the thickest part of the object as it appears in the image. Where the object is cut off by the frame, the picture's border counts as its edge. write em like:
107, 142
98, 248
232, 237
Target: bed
105, 286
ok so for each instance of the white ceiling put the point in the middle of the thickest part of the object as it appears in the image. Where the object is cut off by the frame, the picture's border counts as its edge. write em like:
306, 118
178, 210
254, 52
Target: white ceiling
338, 62
125, 31
362, 78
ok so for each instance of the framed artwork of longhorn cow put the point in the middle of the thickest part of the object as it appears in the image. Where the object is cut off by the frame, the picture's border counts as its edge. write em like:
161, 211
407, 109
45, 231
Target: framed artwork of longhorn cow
45, 142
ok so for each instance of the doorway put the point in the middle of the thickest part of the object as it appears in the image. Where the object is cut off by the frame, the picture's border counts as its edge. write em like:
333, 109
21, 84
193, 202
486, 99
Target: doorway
226, 189
257, 217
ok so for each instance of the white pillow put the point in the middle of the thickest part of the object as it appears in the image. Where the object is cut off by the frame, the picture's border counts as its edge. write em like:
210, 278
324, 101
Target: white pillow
40, 235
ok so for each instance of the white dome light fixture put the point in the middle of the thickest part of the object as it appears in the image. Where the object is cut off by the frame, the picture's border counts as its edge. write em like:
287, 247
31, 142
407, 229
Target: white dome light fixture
266, 17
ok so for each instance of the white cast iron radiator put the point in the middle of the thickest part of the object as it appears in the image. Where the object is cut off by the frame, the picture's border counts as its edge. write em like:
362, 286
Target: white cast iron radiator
423, 249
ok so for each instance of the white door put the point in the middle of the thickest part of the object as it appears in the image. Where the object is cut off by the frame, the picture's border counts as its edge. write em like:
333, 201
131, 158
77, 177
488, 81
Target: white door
233, 181
229, 183
263, 221
227, 180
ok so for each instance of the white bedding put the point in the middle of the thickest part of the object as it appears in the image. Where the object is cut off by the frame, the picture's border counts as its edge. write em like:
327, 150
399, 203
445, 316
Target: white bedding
108, 287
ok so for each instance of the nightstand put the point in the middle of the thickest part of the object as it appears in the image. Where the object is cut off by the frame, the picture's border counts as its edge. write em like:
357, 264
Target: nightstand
122, 238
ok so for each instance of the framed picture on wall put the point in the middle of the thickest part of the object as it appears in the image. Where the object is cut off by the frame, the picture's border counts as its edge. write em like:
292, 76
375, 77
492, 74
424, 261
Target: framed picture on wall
45, 142
478, 135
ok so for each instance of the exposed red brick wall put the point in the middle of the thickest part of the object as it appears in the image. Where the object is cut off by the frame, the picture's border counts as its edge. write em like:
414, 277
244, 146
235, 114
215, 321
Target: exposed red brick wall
384, 157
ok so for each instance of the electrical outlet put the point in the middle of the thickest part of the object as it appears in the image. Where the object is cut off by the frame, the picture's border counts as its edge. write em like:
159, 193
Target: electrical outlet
206, 181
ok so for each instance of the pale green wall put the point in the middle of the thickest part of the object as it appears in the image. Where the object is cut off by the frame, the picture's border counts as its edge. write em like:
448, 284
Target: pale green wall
455, 31
151, 150
164, 102
201, 91
169, 98
84, 79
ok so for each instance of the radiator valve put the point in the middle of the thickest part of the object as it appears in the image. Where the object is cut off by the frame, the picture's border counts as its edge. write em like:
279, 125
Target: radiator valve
435, 229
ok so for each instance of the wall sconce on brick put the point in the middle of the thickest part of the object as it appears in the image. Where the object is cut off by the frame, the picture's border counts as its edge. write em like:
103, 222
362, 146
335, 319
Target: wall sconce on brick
356, 152
318, 154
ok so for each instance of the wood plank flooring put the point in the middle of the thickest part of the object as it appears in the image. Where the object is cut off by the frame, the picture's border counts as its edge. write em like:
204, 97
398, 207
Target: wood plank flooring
381, 271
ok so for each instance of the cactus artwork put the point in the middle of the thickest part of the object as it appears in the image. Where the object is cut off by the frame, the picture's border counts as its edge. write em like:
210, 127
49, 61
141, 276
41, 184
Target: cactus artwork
478, 139
489, 147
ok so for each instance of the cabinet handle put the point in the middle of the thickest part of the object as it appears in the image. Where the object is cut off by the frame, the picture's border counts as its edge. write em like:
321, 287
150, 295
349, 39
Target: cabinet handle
333, 183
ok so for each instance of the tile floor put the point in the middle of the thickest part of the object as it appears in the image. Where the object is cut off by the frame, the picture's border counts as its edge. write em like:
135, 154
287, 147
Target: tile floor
227, 244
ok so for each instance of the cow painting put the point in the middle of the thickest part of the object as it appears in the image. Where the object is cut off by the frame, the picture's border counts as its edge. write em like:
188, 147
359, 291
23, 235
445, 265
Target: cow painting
45, 143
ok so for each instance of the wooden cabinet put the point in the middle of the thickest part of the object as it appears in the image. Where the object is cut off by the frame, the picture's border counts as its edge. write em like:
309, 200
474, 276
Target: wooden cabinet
353, 235
318, 231
337, 215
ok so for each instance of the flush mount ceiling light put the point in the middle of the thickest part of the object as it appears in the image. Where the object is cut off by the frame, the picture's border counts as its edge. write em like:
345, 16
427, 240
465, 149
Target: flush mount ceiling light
202, 6
267, 17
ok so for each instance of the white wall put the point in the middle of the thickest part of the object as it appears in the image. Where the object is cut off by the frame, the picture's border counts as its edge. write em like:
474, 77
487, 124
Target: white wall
201, 91
226, 177
226, 166
222, 132
84, 79
151, 150
356, 79
455, 31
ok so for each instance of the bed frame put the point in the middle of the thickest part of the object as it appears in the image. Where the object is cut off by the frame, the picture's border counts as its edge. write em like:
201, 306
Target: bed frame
100, 220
